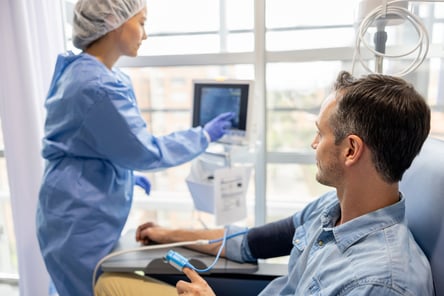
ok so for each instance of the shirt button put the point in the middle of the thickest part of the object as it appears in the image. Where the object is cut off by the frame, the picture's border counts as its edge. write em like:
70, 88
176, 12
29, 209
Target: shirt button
296, 241
320, 243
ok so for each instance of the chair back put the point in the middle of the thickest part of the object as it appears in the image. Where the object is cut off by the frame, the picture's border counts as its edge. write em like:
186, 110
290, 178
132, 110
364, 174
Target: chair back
423, 187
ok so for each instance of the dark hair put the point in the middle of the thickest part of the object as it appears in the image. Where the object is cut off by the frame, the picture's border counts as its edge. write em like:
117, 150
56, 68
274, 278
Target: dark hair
388, 114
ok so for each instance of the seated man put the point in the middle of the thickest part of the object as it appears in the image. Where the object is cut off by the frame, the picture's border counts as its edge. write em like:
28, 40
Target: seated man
351, 241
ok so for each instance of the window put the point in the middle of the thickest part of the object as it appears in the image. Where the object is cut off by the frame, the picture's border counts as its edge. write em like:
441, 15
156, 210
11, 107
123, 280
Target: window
293, 54
8, 255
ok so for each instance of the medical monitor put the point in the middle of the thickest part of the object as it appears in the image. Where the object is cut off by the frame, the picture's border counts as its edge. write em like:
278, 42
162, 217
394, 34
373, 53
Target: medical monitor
213, 97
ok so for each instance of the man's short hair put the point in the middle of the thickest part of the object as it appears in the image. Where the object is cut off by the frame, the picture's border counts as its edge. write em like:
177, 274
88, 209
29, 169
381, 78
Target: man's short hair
388, 114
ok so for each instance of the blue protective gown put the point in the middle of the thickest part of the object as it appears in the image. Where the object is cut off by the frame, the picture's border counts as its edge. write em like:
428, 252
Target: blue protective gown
94, 138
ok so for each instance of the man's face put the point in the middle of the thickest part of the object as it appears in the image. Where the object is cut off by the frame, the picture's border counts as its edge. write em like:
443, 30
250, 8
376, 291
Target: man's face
330, 171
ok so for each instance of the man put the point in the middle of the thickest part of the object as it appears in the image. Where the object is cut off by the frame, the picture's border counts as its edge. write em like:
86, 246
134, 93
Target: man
354, 240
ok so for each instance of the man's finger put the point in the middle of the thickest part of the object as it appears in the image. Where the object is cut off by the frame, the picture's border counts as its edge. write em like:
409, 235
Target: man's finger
192, 275
181, 286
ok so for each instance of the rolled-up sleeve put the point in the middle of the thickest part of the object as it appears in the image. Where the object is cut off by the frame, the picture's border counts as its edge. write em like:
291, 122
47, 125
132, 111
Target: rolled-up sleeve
237, 248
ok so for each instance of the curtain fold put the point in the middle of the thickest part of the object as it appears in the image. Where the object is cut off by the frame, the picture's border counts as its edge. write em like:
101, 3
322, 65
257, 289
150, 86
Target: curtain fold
31, 35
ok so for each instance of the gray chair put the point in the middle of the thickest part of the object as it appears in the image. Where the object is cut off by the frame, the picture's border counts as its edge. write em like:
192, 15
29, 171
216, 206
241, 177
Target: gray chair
423, 187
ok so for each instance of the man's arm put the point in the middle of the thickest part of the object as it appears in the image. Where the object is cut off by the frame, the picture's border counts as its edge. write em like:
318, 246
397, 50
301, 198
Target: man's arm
150, 233
272, 239
267, 241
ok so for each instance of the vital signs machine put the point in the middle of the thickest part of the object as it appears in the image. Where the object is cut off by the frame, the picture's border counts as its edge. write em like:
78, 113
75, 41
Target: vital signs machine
217, 183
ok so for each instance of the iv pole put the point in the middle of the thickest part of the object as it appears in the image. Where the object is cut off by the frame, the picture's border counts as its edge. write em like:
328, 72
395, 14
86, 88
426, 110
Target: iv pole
380, 39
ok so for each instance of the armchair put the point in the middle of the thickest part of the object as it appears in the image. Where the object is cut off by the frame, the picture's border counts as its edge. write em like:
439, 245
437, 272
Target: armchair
423, 188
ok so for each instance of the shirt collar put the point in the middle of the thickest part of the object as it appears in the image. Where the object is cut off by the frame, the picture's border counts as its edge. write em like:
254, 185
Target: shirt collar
352, 231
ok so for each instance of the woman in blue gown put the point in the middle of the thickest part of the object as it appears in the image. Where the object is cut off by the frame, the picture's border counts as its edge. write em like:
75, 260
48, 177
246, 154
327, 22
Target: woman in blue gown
95, 137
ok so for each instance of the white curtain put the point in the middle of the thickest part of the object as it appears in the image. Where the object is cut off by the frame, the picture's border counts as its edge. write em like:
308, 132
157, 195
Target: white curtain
31, 35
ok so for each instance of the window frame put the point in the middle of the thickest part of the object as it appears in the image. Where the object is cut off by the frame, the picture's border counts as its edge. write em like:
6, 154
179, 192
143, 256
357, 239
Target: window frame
259, 58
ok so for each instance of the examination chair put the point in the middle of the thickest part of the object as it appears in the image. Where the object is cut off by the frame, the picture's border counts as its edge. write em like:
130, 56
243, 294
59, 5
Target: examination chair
423, 188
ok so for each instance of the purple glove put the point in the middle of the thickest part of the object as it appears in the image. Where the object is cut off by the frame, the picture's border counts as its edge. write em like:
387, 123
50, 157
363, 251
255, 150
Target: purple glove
218, 126
143, 182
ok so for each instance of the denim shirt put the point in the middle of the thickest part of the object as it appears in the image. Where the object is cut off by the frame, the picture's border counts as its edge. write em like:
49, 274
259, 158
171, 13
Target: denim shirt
374, 254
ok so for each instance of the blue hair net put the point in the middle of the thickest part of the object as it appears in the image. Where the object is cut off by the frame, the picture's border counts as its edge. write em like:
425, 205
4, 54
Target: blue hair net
95, 18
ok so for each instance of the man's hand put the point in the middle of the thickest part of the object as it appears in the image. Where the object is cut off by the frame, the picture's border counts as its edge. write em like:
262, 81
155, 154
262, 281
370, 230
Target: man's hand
197, 287
149, 233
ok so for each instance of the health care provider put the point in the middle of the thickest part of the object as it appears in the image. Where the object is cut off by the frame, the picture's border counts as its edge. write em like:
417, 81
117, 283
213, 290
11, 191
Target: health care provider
95, 137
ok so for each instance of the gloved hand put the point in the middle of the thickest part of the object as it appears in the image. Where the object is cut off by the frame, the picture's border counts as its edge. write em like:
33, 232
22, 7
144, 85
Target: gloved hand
218, 126
143, 182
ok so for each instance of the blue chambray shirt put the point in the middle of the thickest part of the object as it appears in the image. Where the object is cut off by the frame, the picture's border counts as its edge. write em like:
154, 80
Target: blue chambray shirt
374, 254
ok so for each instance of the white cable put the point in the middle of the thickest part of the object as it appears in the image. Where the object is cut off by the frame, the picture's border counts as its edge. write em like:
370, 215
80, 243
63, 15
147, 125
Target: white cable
422, 46
152, 247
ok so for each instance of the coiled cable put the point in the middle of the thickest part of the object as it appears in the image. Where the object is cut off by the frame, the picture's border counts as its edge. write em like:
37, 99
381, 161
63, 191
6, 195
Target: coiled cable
380, 12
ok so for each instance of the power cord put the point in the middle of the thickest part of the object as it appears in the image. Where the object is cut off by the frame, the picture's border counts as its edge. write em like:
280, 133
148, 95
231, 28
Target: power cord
422, 46
172, 257
153, 247
179, 262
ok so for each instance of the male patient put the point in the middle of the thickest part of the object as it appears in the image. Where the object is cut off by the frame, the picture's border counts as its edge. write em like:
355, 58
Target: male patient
353, 240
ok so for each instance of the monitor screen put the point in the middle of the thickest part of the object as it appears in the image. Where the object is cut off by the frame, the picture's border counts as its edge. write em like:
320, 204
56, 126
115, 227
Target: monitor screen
213, 97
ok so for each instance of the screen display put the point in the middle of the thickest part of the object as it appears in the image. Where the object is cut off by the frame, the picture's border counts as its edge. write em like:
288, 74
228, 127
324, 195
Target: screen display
211, 100
217, 100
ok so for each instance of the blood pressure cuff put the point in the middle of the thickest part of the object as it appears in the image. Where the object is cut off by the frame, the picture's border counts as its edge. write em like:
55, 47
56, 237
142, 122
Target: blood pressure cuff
272, 239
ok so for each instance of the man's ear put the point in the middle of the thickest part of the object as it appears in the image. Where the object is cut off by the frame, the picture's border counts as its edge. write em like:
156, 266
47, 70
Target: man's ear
354, 147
